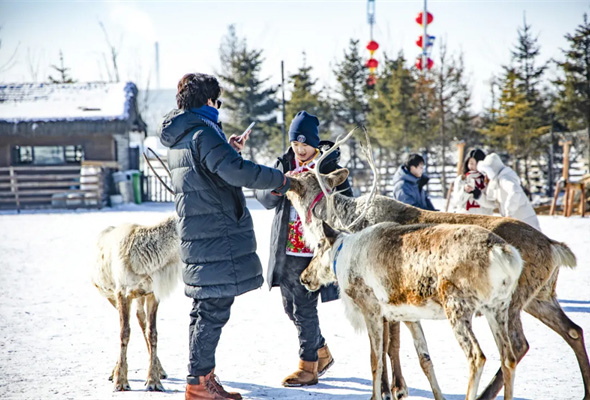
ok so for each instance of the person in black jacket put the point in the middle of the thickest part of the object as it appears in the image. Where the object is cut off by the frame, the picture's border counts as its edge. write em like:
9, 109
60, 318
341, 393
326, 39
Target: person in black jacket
289, 255
218, 244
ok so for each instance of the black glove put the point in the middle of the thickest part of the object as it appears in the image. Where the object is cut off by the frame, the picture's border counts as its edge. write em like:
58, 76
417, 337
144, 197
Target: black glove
281, 190
476, 193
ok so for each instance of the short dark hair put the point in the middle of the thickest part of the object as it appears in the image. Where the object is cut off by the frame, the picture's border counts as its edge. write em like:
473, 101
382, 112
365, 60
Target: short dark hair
195, 89
414, 160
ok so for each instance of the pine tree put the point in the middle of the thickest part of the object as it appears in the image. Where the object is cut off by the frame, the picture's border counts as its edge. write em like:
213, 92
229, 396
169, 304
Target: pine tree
516, 123
351, 105
63, 76
246, 95
393, 116
304, 96
574, 94
351, 74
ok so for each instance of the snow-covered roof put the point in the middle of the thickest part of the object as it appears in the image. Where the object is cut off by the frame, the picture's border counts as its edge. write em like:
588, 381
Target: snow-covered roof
78, 102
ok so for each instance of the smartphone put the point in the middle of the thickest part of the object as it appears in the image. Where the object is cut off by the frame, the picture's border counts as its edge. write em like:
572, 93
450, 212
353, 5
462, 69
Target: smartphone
246, 132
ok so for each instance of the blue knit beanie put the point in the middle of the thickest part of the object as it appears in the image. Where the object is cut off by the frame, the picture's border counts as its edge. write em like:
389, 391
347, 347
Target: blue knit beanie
304, 129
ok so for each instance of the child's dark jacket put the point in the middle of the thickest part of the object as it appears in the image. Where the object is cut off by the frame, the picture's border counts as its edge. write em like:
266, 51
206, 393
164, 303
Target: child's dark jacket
280, 224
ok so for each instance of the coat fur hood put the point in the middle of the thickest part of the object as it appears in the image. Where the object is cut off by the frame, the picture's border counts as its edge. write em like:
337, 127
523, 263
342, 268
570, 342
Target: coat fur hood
491, 166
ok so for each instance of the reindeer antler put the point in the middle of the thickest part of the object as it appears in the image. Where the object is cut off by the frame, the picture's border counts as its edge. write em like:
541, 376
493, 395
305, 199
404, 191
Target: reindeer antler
316, 170
368, 151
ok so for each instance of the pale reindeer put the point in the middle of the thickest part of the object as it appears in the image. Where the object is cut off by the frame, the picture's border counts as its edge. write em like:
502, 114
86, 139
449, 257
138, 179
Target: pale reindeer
534, 294
140, 263
408, 273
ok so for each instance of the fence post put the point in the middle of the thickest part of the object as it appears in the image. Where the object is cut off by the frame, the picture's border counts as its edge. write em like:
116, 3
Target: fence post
14, 188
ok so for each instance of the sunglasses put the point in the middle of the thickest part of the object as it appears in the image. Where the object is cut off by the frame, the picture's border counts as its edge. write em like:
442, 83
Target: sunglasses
218, 104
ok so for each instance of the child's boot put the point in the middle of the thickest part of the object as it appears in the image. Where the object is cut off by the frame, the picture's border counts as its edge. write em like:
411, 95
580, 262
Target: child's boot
325, 360
307, 374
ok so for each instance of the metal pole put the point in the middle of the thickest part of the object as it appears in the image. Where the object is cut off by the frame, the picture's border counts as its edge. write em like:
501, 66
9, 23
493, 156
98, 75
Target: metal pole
284, 122
424, 40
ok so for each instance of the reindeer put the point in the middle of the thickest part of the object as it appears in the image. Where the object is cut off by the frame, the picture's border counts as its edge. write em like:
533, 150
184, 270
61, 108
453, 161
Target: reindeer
140, 263
409, 273
534, 294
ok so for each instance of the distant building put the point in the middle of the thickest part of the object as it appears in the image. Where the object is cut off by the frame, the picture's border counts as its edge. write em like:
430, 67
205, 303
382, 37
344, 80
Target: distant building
64, 124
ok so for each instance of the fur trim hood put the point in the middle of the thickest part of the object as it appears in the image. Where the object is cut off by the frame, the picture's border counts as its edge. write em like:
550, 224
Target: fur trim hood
491, 166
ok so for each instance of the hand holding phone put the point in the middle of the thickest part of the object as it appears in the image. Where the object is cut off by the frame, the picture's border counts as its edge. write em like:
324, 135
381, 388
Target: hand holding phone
244, 136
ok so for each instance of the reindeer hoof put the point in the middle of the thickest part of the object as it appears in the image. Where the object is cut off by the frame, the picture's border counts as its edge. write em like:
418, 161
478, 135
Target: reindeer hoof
400, 393
152, 386
122, 387
163, 375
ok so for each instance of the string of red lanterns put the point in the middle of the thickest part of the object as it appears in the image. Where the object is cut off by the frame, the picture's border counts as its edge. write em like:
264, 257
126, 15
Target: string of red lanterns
371, 63
425, 45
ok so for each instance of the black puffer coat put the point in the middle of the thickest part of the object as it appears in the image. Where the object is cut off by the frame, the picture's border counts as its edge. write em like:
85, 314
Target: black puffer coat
218, 244
280, 223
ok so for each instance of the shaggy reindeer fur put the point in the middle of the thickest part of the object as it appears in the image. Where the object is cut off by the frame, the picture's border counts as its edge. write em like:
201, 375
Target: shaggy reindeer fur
409, 273
535, 292
141, 263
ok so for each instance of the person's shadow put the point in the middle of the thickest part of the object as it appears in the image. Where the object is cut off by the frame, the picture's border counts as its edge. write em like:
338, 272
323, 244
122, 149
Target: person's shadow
326, 389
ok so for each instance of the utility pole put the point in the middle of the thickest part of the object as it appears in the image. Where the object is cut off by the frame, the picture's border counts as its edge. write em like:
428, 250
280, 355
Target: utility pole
424, 39
283, 91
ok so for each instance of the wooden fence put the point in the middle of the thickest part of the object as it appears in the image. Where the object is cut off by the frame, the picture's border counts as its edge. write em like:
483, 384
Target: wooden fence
50, 186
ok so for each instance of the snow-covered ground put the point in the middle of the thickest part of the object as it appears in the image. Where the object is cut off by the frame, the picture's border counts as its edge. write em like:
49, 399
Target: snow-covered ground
59, 337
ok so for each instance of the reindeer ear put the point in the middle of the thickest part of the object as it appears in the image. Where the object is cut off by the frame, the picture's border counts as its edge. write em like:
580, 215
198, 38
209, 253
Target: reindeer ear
330, 233
337, 177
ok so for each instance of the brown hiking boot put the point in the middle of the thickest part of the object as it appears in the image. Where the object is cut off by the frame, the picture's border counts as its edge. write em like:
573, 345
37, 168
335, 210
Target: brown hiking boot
307, 374
209, 388
325, 360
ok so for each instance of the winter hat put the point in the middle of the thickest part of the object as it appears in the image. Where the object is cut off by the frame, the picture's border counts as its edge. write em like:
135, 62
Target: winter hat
491, 165
304, 129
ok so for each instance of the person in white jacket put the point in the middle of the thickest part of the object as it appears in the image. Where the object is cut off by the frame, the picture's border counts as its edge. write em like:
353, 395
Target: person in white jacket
469, 186
505, 190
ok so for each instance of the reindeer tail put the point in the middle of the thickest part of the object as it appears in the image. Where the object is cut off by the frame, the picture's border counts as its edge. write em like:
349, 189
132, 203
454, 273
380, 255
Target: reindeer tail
505, 266
562, 255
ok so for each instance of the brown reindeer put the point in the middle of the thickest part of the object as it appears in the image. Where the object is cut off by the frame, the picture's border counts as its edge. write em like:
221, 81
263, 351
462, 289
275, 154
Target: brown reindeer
534, 294
409, 273
140, 263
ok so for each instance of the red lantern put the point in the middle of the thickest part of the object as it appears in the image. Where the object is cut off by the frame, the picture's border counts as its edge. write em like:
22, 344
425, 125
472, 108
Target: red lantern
372, 63
420, 42
429, 18
429, 63
372, 46
371, 81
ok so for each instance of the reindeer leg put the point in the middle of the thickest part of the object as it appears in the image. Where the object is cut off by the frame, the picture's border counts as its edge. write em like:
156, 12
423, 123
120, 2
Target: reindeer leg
551, 314
141, 318
498, 321
385, 390
398, 387
120, 372
153, 382
519, 346
459, 315
375, 330
424, 357
114, 304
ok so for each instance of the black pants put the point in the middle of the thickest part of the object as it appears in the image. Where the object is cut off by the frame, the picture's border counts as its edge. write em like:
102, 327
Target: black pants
301, 307
208, 316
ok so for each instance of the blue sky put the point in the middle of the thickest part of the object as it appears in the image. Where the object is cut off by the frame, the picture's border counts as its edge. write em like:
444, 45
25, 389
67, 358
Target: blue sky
189, 34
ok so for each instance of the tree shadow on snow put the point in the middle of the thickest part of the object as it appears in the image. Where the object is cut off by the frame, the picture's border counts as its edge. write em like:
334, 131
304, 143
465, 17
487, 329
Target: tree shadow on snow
573, 308
574, 301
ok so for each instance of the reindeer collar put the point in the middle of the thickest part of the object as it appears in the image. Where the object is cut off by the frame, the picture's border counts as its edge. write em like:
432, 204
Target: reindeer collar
336, 256
313, 204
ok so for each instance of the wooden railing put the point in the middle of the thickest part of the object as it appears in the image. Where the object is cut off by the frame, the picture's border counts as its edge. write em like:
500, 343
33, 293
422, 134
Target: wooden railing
50, 186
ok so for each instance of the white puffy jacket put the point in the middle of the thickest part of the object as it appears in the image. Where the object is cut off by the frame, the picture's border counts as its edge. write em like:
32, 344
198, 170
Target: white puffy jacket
463, 202
505, 190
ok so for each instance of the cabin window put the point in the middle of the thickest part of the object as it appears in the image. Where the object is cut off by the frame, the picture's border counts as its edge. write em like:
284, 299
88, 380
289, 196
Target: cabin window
48, 155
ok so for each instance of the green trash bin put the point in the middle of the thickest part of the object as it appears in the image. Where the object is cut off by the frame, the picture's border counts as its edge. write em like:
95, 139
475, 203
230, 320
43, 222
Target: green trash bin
136, 181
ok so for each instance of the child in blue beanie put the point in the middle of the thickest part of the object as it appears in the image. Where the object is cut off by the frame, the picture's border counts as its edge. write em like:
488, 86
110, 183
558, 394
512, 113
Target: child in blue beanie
289, 255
